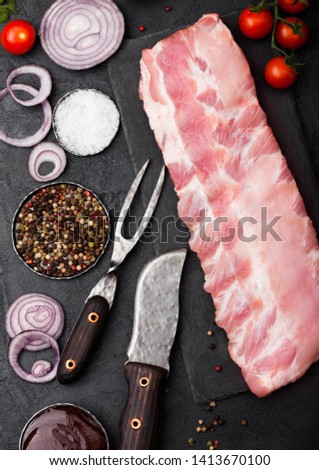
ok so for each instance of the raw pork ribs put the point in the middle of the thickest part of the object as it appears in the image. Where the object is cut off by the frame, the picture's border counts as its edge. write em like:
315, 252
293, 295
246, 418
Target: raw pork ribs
232, 181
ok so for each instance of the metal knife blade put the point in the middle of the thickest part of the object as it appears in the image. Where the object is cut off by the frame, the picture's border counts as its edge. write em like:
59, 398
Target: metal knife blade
156, 310
155, 323
106, 288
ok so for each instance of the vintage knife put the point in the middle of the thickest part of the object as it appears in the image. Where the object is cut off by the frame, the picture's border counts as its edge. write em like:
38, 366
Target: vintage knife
89, 323
155, 323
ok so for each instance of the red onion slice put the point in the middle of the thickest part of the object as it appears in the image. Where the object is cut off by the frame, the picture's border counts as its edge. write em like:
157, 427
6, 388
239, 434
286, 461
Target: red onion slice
34, 139
35, 312
21, 342
45, 84
41, 368
80, 34
50, 153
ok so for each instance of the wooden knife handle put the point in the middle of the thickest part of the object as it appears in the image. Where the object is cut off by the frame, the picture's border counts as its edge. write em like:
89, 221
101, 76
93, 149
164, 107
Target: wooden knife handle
82, 339
139, 420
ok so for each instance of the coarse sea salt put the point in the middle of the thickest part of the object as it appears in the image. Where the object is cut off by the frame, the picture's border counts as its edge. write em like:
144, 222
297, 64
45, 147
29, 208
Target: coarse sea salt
85, 122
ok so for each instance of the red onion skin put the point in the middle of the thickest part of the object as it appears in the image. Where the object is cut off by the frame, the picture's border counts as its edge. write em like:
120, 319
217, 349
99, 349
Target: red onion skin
19, 343
37, 157
86, 48
15, 323
44, 129
45, 87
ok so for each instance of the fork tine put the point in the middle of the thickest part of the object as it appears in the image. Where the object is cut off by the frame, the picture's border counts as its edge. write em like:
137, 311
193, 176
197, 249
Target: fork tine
151, 206
122, 245
128, 200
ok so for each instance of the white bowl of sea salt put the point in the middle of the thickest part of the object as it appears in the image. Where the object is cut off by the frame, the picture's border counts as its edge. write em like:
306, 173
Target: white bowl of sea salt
85, 121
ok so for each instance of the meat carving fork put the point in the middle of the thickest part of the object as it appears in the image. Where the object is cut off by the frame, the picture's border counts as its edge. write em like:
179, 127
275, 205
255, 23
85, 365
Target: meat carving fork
89, 323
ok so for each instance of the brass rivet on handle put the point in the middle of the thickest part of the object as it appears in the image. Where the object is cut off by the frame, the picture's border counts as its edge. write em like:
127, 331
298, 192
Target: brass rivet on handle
144, 381
93, 317
135, 423
70, 364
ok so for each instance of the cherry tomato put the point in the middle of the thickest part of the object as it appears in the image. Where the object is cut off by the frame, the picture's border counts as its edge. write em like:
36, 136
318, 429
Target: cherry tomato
291, 6
291, 37
279, 74
255, 25
18, 37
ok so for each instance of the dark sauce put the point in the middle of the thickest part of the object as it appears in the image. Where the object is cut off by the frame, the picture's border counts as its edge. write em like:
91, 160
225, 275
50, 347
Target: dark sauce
64, 427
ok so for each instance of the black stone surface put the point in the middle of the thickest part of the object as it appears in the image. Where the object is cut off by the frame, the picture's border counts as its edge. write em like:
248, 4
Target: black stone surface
288, 418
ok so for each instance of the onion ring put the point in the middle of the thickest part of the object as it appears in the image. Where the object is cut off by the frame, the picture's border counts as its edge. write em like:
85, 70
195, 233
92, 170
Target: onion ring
45, 85
35, 312
34, 139
20, 342
79, 34
41, 368
46, 152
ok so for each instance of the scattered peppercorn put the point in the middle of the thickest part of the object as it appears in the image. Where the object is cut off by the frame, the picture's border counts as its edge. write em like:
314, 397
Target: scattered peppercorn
209, 443
210, 333
217, 443
209, 426
54, 242
215, 422
198, 429
212, 346
244, 422
211, 448
200, 421
204, 429
218, 368
168, 8
210, 406
141, 28
191, 441
221, 422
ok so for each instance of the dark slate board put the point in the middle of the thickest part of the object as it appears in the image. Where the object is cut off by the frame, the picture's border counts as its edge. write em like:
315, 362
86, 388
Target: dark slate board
197, 311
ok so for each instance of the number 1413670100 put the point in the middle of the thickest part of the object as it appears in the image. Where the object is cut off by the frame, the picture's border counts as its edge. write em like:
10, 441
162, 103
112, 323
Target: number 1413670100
232, 459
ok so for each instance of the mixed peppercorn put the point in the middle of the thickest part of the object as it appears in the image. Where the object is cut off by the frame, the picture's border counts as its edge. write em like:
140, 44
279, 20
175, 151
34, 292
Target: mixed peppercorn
61, 230
205, 427
210, 426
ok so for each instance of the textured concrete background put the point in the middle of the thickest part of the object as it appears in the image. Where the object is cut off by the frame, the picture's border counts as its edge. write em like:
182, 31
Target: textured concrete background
287, 419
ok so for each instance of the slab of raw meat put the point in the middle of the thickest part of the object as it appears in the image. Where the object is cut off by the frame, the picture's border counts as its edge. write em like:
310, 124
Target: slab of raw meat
201, 102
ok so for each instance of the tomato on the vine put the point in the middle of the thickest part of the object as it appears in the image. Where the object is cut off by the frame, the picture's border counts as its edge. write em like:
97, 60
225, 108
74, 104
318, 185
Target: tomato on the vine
292, 37
291, 6
255, 24
279, 74
18, 37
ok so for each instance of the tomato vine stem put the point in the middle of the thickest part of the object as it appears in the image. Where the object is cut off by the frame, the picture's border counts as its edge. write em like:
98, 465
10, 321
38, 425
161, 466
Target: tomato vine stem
274, 45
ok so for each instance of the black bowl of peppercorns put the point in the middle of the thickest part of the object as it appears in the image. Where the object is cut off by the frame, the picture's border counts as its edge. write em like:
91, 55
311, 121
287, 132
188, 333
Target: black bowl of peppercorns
61, 230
